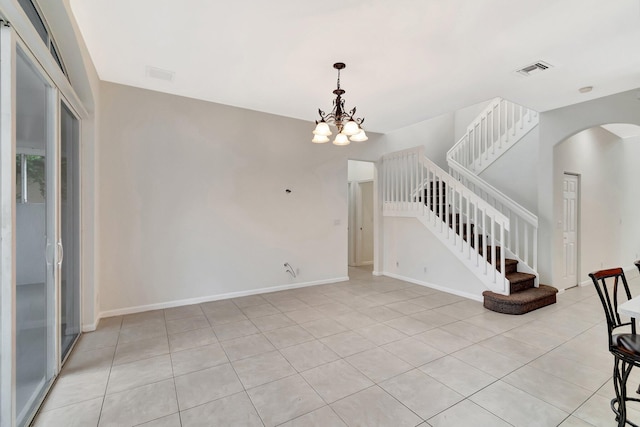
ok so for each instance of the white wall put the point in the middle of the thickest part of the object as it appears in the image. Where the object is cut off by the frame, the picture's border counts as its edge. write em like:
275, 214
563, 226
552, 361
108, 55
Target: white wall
515, 173
415, 249
594, 155
360, 171
437, 136
193, 200
630, 170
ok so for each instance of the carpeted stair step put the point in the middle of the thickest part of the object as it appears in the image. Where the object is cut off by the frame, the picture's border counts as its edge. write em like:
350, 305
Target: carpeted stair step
510, 264
520, 302
520, 281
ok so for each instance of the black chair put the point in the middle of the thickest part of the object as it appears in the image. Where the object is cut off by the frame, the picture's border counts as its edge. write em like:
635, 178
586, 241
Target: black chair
637, 263
625, 347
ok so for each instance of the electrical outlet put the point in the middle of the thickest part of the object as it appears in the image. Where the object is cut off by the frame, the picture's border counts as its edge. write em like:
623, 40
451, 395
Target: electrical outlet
397, 264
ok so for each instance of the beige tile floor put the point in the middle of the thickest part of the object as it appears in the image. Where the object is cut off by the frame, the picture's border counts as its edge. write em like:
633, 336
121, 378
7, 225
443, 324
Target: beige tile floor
373, 351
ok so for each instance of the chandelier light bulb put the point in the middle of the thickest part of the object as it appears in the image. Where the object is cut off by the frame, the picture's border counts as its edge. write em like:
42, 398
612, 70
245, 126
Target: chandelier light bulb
322, 129
351, 128
359, 137
341, 139
320, 139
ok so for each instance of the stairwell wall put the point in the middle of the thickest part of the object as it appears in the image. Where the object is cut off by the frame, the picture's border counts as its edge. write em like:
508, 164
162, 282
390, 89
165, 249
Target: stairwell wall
415, 254
515, 173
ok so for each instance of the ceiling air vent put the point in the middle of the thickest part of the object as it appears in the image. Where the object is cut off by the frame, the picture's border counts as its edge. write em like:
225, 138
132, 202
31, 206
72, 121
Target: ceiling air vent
534, 68
160, 74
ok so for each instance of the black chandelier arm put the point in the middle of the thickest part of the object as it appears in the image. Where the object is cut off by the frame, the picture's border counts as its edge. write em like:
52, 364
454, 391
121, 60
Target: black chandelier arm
333, 118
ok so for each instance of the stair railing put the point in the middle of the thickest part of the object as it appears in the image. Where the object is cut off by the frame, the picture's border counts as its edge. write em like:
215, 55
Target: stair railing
414, 186
522, 238
495, 130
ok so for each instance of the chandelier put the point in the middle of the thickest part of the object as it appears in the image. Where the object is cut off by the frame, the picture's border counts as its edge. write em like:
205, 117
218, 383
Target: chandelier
349, 127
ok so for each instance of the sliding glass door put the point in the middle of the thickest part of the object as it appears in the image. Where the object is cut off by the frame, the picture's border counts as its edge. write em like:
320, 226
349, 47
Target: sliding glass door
35, 237
69, 229
40, 230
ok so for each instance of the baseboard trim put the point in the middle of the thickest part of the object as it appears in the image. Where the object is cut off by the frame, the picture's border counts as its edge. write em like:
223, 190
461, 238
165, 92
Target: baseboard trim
90, 327
377, 273
433, 286
631, 272
209, 298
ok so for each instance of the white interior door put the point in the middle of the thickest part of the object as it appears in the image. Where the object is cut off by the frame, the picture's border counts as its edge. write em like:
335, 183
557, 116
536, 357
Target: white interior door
365, 224
570, 206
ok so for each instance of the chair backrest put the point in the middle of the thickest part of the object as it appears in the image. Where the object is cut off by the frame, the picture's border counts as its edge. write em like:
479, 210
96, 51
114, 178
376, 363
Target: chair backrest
637, 263
607, 285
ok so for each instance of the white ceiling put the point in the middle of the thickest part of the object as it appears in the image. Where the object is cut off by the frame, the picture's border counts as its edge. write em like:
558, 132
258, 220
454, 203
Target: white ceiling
407, 60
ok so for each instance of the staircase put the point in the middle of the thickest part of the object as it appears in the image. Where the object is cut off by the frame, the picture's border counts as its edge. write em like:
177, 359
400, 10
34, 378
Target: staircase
523, 295
484, 228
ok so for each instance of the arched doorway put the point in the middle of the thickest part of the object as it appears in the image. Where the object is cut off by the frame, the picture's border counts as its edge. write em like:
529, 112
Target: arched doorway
594, 203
